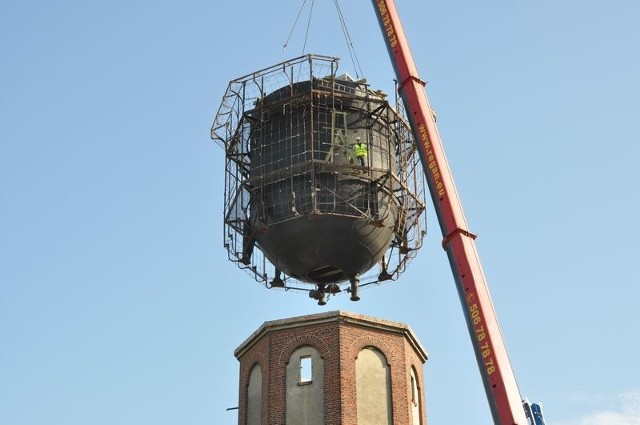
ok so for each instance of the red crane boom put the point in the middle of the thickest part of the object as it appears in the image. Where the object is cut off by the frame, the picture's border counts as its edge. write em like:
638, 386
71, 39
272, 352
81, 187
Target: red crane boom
497, 375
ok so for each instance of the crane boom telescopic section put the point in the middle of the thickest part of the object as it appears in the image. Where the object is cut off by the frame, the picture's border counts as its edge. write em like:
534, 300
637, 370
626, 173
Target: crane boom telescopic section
497, 375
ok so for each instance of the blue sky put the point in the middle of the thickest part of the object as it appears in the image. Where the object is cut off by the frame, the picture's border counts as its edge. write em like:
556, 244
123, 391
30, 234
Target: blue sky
117, 302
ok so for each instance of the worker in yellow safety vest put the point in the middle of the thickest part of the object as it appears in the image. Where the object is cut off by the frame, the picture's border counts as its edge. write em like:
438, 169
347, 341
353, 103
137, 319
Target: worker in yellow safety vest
360, 149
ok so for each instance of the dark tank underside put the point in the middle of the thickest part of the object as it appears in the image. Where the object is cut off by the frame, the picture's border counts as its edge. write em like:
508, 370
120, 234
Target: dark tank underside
326, 248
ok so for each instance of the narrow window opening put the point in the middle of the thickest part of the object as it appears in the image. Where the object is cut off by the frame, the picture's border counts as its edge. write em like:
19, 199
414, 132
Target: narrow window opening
413, 390
306, 369
415, 400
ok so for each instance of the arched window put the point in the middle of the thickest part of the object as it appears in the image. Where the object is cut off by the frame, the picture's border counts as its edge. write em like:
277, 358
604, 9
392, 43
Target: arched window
305, 387
415, 399
373, 386
254, 396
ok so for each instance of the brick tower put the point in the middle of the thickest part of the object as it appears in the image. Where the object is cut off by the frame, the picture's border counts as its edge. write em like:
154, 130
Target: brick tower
333, 368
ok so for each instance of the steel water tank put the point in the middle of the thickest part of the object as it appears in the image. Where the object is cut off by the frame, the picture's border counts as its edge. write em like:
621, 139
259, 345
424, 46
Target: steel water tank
300, 209
316, 213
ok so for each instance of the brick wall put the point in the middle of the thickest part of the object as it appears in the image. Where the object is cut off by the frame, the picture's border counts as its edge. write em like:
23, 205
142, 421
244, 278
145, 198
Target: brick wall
339, 337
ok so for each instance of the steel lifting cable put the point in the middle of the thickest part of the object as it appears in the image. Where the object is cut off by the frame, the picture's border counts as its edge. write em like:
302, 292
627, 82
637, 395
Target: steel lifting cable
286, 43
345, 31
306, 34
347, 38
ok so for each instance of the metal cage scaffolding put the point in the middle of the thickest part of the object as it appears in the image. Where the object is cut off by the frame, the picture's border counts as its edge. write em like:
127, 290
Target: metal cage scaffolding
288, 133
